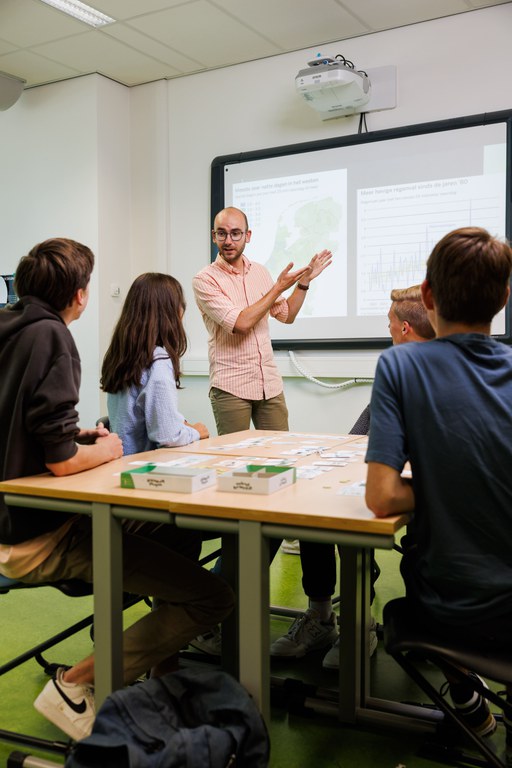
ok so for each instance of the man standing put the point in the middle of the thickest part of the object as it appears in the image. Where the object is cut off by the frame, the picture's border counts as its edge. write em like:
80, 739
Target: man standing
236, 297
446, 407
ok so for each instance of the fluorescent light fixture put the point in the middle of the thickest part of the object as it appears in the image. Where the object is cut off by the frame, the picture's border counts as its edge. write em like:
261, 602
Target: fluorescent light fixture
81, 11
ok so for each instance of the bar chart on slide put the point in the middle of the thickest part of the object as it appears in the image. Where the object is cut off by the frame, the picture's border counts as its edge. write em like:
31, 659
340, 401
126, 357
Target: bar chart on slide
399, 225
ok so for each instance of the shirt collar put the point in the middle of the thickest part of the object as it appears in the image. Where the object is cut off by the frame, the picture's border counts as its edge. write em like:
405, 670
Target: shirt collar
222, 263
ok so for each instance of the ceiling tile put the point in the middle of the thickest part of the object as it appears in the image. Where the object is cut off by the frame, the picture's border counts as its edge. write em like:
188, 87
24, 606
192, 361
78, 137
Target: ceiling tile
29, 22
126, 9
36, 70
94, 52
202, 32
291, 27
397, 13
486, 3
146, 45
6, 47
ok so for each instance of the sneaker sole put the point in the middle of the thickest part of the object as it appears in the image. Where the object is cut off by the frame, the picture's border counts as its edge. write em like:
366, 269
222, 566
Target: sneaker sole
486, 729
374, 641
300, 653
279, 655
489, 730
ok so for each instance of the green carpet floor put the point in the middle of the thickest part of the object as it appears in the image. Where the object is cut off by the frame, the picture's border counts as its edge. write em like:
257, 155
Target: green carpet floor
304, 740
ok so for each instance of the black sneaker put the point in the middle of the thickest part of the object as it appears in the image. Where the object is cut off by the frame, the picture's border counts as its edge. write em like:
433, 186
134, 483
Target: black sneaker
472, 706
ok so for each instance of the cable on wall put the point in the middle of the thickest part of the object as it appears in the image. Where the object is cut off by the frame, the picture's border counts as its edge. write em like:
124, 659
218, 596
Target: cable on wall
309, 377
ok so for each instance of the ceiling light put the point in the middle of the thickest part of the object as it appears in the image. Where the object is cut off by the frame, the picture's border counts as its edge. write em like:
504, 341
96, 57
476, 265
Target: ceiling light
81, 11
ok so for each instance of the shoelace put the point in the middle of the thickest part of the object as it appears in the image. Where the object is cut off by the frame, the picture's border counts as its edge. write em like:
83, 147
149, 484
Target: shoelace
297, 625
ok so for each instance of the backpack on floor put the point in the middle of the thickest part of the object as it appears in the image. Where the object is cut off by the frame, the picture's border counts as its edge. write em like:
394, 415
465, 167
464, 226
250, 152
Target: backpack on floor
186, 719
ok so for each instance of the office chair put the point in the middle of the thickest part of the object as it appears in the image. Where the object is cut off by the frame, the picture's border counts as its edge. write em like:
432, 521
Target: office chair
410, 645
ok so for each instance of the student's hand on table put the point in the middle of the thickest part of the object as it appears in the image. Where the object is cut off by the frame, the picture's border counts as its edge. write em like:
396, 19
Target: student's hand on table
199, 427
89, 436
111, 444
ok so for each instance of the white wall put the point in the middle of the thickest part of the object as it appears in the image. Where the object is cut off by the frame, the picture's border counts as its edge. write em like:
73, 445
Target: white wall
65, 160
454, 66
48, 148
127, 171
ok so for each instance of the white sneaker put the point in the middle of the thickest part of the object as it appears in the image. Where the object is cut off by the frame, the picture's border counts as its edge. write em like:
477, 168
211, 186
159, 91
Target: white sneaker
332, 657
70, 706
291, 546
210, 642
307, 633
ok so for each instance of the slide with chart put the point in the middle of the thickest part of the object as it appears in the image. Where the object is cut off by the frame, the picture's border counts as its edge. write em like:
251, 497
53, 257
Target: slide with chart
379, 202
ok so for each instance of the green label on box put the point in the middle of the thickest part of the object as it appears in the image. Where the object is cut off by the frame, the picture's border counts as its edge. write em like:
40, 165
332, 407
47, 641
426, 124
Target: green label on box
127, 479
271, 469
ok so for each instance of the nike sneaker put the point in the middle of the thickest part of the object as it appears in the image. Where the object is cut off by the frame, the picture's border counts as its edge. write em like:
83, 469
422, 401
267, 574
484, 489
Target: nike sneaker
69, 706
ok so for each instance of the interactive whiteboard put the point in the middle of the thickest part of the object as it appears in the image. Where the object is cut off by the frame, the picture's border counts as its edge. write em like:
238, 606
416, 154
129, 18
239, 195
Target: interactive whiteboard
379, 201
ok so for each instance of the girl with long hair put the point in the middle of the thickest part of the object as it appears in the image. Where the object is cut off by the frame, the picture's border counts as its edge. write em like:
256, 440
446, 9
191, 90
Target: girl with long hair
141, 368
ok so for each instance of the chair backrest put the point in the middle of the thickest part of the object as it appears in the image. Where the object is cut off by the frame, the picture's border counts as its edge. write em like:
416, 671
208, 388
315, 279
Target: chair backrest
105, 421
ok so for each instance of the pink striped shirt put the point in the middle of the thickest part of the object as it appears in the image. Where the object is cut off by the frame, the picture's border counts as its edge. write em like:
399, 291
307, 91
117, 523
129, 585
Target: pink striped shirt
241, 364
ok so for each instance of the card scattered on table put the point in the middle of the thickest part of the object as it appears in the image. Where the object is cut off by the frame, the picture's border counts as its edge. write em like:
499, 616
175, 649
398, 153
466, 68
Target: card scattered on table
355, 489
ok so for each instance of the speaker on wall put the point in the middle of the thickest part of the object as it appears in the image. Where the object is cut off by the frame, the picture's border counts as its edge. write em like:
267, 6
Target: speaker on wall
10, 90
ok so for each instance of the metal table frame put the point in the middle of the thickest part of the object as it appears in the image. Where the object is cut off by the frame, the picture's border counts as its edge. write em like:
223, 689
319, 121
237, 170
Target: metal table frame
253, 593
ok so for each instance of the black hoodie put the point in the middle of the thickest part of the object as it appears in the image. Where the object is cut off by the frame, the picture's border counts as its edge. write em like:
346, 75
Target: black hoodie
39, 386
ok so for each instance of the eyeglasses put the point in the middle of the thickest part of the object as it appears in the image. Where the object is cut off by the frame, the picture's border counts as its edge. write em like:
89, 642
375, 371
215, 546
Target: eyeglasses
235, 235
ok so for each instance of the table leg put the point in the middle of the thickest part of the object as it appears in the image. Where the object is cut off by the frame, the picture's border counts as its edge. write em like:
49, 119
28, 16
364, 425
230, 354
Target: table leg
108, 601
354, 677
230, 638
254, 610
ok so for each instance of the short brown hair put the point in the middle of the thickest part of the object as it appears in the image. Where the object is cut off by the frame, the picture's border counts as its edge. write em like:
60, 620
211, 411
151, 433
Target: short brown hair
469, 273
54, 271
408, 305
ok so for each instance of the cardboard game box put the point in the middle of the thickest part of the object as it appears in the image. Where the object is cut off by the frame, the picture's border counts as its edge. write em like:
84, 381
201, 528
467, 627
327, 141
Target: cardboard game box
177, 479
257, 479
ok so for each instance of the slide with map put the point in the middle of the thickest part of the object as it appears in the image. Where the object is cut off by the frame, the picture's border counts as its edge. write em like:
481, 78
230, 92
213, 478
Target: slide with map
379, 202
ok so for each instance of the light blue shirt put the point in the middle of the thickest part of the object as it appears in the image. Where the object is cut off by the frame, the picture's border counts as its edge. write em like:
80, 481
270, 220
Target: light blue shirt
146, 416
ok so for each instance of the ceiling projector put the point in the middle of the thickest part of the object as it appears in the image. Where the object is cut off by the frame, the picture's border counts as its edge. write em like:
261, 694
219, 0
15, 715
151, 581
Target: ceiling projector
333, 87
